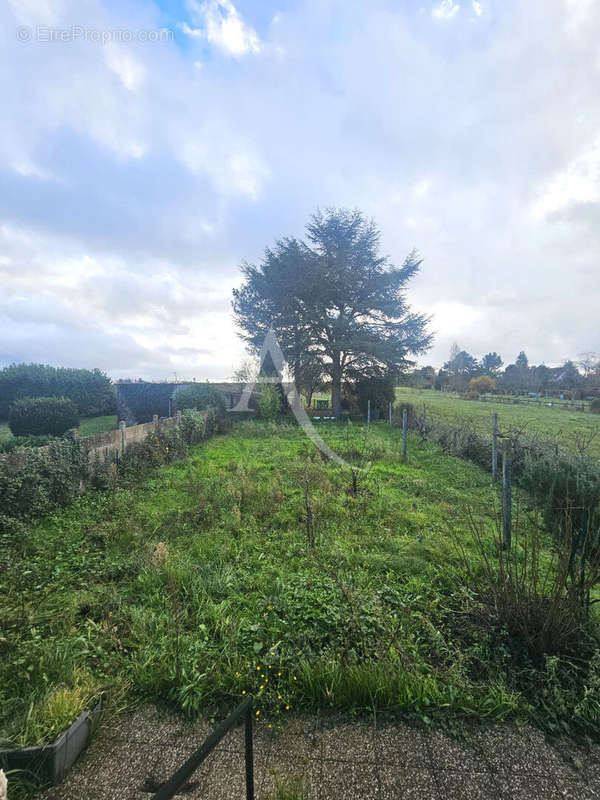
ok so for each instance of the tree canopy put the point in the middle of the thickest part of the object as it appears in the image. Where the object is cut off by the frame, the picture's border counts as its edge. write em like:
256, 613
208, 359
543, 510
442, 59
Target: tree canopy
334, 301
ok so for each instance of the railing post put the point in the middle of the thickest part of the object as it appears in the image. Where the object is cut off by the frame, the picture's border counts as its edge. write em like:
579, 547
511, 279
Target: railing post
249, 755
506, 496
404, 426
495, 448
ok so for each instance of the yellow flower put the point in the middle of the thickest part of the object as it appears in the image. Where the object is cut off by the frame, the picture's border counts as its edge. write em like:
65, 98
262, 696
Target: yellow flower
295, 678
262, 686
287, 708
279, 674
243, 691
258, 668
257, 713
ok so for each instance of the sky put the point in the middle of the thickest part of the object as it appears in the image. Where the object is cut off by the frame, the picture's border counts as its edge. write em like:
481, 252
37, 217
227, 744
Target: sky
148, 149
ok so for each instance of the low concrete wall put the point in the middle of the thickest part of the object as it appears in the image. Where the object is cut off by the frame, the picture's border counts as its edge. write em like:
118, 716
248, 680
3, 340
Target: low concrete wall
101, 446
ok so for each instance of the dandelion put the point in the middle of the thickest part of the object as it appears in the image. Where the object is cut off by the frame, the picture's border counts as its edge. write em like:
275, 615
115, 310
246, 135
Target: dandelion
243, 691
295, 678
258, 713
262, 686
279, 674
287, 708
258, 668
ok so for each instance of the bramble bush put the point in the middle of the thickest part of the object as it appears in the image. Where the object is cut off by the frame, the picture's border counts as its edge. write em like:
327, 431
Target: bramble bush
35, 482
200, 396
42, 416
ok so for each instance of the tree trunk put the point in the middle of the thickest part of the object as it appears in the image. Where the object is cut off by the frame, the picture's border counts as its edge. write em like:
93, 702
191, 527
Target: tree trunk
336, 389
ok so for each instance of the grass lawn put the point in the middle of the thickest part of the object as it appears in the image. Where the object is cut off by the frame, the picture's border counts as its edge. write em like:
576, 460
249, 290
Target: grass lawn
93, 425
198, 585
554, 423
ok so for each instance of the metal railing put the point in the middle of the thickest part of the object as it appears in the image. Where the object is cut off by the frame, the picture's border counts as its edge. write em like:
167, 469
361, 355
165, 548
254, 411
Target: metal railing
180, 778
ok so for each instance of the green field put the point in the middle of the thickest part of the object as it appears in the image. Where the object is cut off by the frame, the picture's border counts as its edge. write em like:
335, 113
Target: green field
199, 584
566, 427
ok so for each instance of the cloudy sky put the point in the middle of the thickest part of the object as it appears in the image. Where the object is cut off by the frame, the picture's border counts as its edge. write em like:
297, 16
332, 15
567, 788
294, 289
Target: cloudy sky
139, 169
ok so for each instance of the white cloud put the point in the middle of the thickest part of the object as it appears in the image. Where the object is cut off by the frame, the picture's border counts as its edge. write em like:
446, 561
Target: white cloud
446, 10
222, 26
578, 183
477, 8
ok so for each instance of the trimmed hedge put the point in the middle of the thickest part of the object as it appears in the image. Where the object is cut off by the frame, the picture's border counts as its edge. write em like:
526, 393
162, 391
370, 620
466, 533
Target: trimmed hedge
90, 390
42, 416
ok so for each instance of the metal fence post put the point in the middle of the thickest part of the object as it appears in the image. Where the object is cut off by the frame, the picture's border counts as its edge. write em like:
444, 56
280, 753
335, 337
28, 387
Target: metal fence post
495, 448
249, 755
123, 429
506, 496
404, 426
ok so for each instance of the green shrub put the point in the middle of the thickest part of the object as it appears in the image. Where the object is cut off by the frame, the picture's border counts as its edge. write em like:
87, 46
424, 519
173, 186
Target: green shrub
200, 396
90, 390
42, 416
595, 406
379, 390
34, 482
16, 442
481, 385
270, 401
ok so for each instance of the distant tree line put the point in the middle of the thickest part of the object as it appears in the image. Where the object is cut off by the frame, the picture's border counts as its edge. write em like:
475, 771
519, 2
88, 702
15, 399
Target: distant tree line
90, 390
463, 371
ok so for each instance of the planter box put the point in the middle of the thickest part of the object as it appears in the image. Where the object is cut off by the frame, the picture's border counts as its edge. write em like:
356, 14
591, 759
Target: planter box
50, 763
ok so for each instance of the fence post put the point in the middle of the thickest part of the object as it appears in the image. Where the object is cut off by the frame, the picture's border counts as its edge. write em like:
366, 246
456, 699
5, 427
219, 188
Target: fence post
249, 756
404, 426
495, 448
170, 406
179, 417
390, 415
123, 429
506, 496
155, 420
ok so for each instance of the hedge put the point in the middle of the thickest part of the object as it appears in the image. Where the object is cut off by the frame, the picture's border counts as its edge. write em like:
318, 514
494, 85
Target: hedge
42, 416
35, 482
200, 396
90, 390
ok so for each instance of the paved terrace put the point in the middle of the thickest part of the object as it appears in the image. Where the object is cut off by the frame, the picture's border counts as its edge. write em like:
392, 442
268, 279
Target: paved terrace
337, 759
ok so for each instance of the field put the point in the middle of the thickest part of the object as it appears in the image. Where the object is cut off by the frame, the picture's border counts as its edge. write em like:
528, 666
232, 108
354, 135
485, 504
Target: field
255, 566
199, 584
565, 427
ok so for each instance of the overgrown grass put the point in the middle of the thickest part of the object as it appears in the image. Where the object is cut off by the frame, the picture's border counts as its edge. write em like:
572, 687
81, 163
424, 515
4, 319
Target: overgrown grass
568, 428
202, 584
